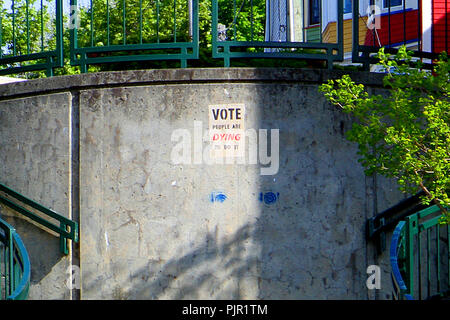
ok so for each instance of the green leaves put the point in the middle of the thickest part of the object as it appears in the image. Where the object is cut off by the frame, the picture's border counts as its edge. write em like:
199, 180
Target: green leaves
406, 133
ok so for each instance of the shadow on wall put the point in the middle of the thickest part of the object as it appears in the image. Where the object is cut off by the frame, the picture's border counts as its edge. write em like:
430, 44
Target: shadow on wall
42, 246
187, 276
148, 227
297, 234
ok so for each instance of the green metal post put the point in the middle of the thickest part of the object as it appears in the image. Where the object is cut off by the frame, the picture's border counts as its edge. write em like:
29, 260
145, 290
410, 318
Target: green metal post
124, 21
448, 255
320, 20
234, 20
59, 36
411, 230
5, 267
157, 20
15, 268
92, 23
214, 21
140, 21
73, 30
251, 20
195, 29
42, 26
355, 29
428, 262
340, 30
1, 55
174, 20
107, 23
14, 26
1, 273
438, 260
63, 240
27, 19
49, 70
10, 261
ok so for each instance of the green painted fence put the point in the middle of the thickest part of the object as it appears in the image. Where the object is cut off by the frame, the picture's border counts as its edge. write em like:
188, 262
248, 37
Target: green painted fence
108, 31
420, 256
14, 265
14, 261
43, 35
29, 39
238, 37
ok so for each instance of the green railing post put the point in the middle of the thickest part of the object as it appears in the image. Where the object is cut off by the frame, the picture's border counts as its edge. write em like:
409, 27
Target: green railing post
340, 32
10, 261
15, 266
63, 239
413, 266
411, 231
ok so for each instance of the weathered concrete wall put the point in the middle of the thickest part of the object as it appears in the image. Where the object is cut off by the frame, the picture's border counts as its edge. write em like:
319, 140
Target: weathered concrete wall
35, 157
150, 229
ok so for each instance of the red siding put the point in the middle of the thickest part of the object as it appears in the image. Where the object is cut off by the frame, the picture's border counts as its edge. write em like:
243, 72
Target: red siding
398, 33
441, 27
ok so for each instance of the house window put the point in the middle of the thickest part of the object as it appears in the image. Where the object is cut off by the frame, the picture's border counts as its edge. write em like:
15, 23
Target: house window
314, 12
347, 6
392, 3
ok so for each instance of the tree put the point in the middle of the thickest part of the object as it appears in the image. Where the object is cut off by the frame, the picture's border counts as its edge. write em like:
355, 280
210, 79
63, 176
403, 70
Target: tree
116, 22
26, 30
167, 21
405, 134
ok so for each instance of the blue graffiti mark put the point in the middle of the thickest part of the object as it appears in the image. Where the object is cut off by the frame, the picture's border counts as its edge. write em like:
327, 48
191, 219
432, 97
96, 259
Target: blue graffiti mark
269, 197
218, 197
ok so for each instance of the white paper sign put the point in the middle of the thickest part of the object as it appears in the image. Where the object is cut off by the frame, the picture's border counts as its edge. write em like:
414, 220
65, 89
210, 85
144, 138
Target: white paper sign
226, 130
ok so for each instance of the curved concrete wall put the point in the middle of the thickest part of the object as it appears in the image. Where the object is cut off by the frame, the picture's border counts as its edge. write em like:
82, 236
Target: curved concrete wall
104, 149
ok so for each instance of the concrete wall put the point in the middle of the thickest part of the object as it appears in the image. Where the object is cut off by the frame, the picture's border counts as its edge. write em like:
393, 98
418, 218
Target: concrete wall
98, 148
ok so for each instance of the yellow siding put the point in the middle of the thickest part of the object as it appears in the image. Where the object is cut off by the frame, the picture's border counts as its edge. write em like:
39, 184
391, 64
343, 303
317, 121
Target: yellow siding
330, 33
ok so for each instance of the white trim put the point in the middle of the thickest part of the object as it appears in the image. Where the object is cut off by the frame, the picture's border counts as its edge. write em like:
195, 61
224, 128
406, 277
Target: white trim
348, 16
427, 24
290, 12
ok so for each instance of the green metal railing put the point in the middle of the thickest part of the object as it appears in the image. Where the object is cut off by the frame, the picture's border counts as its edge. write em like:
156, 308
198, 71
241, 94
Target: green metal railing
41, 35
237, 35
66, 228
29, 40
420, 256
107, 31
14, 265
134, 31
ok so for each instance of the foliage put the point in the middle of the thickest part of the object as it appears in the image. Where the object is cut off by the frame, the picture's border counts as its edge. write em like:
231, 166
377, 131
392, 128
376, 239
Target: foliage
107, 23
243, 22
405, 134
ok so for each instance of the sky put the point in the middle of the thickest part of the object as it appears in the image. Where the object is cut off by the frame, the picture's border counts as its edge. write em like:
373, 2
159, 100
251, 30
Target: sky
50, 4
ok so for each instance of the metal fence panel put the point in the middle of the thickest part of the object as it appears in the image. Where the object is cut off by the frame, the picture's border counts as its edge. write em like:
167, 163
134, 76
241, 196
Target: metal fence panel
420, 256
275, 29
109, 31
31, 36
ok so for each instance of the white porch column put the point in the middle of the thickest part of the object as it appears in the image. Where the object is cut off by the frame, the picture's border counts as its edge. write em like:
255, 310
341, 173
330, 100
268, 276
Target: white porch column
427, 23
